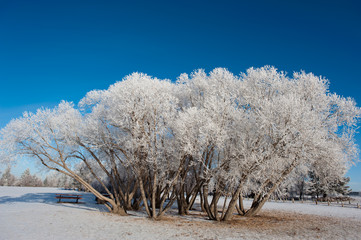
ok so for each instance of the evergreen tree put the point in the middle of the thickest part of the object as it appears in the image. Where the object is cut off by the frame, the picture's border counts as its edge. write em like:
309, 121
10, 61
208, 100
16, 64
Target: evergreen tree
25, 179
7, 179
316, 186
340, 186
28, 180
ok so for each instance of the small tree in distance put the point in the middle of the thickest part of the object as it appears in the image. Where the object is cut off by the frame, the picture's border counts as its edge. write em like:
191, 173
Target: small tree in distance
7, 179
29, 180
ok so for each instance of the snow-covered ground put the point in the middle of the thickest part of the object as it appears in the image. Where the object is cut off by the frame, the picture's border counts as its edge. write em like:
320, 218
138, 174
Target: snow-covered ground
33, 213
321, 209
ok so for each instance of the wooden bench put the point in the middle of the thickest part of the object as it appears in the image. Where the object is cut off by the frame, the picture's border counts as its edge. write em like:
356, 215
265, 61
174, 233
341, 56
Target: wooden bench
99, 201
61, 196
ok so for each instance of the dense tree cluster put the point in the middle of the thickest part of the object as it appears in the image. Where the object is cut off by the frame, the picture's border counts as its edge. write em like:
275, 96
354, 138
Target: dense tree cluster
149, 142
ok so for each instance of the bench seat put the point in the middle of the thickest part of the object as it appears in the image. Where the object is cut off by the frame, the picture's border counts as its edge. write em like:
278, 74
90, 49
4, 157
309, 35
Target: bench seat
69, 196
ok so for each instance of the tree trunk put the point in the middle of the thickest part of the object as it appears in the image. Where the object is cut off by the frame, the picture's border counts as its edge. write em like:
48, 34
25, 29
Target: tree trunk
158, 199
118, 210
240, 207
144, 198
205, 202
181, 202
202, 201
136, 203
256, 207
258, 201
232, 204
214, 206
194, 194
154, 193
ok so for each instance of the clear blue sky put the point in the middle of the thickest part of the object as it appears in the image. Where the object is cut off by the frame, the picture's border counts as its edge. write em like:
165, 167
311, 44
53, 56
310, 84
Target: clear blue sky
54, 50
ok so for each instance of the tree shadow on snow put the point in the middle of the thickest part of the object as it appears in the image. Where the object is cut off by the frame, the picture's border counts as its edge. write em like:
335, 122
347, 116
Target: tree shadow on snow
87, 202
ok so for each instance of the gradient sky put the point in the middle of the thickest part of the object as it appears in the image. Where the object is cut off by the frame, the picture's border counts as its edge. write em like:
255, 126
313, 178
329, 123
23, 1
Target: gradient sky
55, 50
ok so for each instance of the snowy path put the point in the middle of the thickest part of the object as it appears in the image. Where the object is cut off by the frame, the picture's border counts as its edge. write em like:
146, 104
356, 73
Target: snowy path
32, 213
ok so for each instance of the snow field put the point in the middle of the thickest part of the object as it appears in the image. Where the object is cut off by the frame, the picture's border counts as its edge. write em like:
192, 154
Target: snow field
33, 213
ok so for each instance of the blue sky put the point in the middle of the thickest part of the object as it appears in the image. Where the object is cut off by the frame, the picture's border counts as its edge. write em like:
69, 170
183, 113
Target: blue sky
55, 50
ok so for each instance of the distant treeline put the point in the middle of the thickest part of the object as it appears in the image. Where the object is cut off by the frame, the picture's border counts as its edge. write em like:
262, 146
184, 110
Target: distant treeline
32, 180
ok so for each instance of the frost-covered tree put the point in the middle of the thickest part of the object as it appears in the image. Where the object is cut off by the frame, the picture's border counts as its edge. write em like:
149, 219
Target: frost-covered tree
7, 178
57, 179
25, 179
134, 115
253, 138
28, 180
322, 185
206, 132
47, 136
302, 125
340, 186
103, 159
148, 140
297, 184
